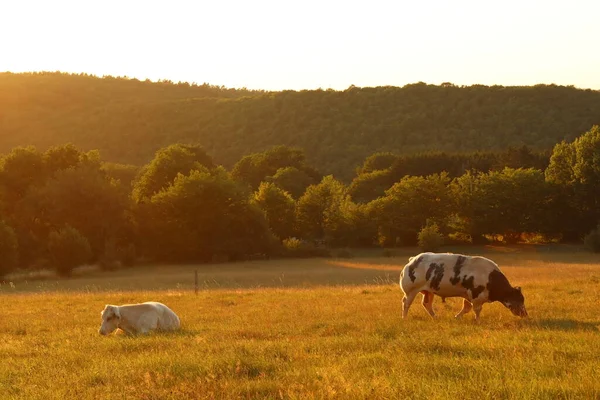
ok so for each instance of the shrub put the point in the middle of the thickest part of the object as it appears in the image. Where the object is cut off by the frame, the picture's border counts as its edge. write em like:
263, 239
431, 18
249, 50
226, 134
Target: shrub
592, 240
68, 249
430, 238
294, 247
9, 249
459, 238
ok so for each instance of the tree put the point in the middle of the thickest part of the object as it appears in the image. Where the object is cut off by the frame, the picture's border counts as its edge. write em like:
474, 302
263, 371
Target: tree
255, 168
203, 215
9, 249
377, 162
278, 206
22, 168
292, 180
587, 159
324, 212
83, 198
336, 129
576, 168
124, 173
369, 186
68, 249
58, 158
166, 165
508, 202
408, 205
562, 162
522, 157
430, 238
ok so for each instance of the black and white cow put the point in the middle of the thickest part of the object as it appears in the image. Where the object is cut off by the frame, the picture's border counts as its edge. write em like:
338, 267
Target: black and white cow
476, 279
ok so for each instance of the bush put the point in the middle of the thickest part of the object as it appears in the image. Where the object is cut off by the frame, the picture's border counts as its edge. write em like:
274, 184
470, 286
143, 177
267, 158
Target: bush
459, 238
297, 248
592, 240
68, 249
430, 238
9, 249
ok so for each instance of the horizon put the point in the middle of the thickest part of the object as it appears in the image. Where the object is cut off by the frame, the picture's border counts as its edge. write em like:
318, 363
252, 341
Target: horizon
161, 80
271, 46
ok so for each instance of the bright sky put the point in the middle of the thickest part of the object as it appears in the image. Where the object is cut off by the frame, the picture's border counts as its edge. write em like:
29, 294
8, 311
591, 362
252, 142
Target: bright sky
279, 44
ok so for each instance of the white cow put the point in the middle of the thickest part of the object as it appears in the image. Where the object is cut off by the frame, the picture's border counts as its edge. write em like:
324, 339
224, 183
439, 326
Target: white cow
138, 318
477, 280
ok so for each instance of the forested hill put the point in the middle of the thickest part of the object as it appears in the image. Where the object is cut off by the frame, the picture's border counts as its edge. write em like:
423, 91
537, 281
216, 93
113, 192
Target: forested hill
128, 120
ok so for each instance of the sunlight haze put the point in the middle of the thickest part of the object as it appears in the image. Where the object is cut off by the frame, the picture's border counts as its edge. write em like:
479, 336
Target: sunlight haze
275, 45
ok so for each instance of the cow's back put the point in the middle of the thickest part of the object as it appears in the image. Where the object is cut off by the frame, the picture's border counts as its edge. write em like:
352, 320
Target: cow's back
167, 319
447, 274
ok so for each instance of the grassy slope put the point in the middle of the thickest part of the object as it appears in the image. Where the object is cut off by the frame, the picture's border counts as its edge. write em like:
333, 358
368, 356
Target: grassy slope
322, 329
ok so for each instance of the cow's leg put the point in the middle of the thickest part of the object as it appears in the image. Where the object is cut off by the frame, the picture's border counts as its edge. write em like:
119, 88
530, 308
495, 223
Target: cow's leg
407, 301
477, 309
467, 306
428, 302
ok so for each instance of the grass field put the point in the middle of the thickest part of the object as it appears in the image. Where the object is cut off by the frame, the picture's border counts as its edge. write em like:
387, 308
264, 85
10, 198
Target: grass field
317, 328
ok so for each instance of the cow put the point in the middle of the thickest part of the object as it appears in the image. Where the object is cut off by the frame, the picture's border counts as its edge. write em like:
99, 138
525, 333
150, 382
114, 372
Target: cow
138, 318
477, 280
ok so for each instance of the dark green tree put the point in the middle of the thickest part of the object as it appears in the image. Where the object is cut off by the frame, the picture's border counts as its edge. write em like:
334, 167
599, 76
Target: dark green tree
508, 202
20, 169
575, 167
201, 216
325, 212
377, 162
68, 249
58, 158
408, 205
83, 198
292, 180
166, 165
370, 185
279, 208
255, 168
9, 249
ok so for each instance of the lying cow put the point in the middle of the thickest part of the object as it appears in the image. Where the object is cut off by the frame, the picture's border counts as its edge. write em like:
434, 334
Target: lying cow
476, 279
138, 318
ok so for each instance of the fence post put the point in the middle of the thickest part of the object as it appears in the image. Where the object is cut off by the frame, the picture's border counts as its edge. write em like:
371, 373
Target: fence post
196, 282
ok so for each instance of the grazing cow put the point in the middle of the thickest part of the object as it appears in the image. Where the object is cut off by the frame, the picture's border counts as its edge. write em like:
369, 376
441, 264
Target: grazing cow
476, 279
138, 318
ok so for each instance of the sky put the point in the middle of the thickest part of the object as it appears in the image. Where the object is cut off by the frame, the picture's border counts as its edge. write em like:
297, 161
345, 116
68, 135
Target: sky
309, 44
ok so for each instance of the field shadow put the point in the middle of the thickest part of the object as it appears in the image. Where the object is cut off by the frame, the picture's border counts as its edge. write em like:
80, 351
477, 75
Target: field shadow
567, 325
301, 273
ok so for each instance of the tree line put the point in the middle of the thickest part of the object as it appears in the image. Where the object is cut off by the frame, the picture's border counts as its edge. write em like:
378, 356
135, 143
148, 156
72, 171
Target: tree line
64, 206
337, 129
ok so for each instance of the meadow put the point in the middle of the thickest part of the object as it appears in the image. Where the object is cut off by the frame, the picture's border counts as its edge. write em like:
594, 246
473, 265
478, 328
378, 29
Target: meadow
295, 329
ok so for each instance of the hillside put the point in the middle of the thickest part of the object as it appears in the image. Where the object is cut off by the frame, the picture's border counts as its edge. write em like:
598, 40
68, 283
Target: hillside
128, 120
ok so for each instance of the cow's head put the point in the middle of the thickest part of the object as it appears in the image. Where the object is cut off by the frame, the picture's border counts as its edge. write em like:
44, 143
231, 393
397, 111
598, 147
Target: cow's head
515, 302
110, 319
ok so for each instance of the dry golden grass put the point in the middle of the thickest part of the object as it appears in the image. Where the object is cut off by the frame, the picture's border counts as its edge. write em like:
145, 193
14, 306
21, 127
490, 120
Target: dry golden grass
304, 329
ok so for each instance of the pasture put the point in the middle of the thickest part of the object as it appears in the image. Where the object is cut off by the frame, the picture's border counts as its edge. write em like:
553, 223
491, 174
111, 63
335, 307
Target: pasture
315, 328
